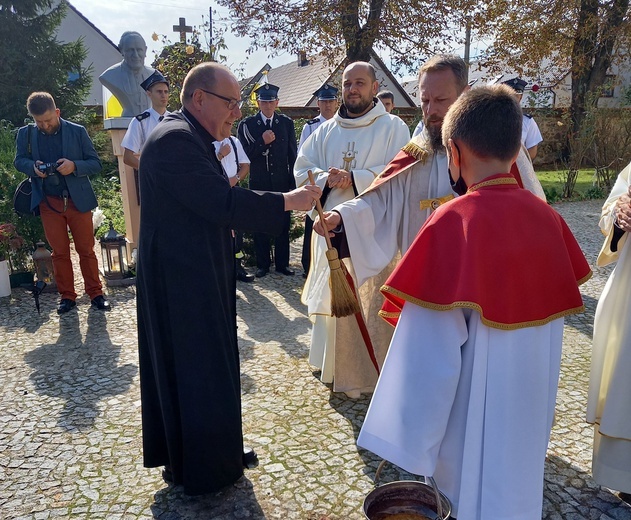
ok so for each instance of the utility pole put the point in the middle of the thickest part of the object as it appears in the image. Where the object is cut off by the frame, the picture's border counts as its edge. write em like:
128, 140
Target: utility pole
210, 30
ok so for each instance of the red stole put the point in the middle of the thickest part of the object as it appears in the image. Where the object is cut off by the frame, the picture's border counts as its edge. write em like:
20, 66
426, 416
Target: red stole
499, 250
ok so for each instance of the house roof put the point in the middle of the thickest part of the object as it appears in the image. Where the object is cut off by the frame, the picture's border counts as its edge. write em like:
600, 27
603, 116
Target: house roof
80, 14
299, 79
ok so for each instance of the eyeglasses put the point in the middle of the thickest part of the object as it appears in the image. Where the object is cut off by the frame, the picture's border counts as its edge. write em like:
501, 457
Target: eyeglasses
231, 101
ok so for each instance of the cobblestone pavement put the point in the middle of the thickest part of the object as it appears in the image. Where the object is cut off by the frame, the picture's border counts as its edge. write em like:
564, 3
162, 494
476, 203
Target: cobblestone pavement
70, 442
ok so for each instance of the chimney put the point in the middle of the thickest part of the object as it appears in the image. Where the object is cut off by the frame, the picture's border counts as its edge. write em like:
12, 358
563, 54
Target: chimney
302, 59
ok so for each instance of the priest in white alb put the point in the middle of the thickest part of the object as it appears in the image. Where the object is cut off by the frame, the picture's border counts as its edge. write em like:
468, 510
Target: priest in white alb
609, 396
345, 154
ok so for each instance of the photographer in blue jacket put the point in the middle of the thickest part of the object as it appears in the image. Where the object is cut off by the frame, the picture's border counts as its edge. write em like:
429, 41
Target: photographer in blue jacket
59, 157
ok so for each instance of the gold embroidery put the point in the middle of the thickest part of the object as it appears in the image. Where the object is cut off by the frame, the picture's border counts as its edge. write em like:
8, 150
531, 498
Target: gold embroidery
416, 151
476, 307
435, 203
493, 182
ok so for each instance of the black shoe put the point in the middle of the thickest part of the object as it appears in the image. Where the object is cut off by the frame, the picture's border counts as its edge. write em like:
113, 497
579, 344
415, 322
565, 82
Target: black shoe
250, 458
101, 303
65, 305
260, 273
286, 271
167, 475
243, 276
625, 496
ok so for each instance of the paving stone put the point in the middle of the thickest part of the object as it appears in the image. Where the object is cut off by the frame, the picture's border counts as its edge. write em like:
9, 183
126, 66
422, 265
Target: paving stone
70, 439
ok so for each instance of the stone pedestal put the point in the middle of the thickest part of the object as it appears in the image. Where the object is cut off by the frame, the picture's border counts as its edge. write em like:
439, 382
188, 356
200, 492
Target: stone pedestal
117, 127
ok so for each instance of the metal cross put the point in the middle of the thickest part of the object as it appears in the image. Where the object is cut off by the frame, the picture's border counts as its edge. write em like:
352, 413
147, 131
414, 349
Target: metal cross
182, 29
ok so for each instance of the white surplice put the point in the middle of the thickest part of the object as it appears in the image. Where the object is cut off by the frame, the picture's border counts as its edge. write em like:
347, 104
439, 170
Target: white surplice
472, 406
609, 396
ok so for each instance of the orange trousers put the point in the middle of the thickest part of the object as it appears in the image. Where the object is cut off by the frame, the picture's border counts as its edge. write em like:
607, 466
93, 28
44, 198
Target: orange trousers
56, 228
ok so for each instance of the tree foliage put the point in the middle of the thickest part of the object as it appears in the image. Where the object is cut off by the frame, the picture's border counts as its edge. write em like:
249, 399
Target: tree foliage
583, 37
32, 59
410, 30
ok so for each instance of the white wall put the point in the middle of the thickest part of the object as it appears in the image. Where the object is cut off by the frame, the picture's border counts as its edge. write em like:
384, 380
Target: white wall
101, 53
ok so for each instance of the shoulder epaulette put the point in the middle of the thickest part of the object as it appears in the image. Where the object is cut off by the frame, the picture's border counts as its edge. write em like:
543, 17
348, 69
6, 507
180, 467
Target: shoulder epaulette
313, 121
142, 116
528, 116
416, 151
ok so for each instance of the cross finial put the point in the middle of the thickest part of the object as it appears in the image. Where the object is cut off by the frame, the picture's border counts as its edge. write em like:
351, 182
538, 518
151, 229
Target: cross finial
182, 29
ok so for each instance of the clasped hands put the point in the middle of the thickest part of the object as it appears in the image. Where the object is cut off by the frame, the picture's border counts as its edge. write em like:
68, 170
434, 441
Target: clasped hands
339, 178
623, 211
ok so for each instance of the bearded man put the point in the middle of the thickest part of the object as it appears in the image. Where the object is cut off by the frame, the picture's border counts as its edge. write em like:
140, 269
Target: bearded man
345, 154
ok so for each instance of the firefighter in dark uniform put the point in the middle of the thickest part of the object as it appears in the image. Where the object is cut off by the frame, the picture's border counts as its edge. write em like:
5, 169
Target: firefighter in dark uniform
269, 140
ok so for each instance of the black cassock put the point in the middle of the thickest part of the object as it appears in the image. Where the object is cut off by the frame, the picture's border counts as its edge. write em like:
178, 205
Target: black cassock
187, 337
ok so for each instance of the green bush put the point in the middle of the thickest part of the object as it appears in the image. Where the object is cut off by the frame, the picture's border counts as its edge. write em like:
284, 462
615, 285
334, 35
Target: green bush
29, 228
552, 195
595, 192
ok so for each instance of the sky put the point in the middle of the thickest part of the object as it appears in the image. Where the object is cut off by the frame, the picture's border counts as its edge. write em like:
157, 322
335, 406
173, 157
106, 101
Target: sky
114, 17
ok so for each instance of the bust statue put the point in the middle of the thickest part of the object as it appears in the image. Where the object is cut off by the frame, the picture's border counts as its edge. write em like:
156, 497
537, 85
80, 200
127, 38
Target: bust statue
123, 79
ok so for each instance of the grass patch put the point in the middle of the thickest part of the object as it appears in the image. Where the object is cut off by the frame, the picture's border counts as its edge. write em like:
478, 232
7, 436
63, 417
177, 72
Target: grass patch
553, 181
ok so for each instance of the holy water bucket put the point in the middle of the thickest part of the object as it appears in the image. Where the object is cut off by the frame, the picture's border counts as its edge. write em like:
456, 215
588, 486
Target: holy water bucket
406, 500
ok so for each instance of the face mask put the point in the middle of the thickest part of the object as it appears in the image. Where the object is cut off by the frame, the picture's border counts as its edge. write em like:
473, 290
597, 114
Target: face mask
459, 187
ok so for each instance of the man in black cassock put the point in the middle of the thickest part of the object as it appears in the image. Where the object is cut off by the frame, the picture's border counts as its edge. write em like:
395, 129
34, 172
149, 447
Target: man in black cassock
269, 139
187, 335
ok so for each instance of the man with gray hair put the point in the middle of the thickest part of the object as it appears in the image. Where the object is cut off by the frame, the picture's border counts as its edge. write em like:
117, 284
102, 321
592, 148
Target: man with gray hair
123, 79
187, 327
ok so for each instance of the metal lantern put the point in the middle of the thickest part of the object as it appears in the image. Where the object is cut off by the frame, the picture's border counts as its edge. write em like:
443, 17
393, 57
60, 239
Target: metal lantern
43, 260
114, 253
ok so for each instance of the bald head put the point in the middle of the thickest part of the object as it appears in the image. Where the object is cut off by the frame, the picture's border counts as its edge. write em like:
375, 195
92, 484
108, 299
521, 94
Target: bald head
362, 67
203, 76
211, 94
359, 88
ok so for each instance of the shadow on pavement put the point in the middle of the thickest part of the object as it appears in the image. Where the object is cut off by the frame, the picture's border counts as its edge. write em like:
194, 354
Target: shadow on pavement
568, 488
236, 501
264, 318
82, 373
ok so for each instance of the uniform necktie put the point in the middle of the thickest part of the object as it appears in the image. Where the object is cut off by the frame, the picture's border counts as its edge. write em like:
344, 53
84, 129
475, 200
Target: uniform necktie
268, 124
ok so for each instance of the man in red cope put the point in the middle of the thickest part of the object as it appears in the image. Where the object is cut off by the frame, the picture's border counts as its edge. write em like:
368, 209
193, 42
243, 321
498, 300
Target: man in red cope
468, 387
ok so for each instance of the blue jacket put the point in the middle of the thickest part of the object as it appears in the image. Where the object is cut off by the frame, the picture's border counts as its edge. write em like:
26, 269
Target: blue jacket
77, 147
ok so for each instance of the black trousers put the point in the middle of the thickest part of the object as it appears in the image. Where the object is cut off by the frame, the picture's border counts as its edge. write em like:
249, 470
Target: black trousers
306, 244
263, 247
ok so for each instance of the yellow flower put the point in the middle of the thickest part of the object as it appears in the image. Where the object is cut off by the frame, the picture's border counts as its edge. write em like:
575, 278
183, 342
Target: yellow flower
154, 37
189, 49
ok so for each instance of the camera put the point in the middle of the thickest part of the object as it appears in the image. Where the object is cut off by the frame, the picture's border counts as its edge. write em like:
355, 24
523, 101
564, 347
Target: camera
48, 168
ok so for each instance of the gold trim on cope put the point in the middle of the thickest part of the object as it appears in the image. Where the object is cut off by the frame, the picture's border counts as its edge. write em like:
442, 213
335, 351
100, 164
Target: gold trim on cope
476, 307
435, 203
493, 182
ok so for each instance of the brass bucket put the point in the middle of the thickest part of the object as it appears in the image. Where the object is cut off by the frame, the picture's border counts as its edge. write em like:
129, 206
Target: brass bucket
406, 500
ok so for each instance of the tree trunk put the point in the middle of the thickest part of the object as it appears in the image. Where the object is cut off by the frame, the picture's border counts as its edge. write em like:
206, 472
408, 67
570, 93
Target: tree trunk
591, 55
360, 39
